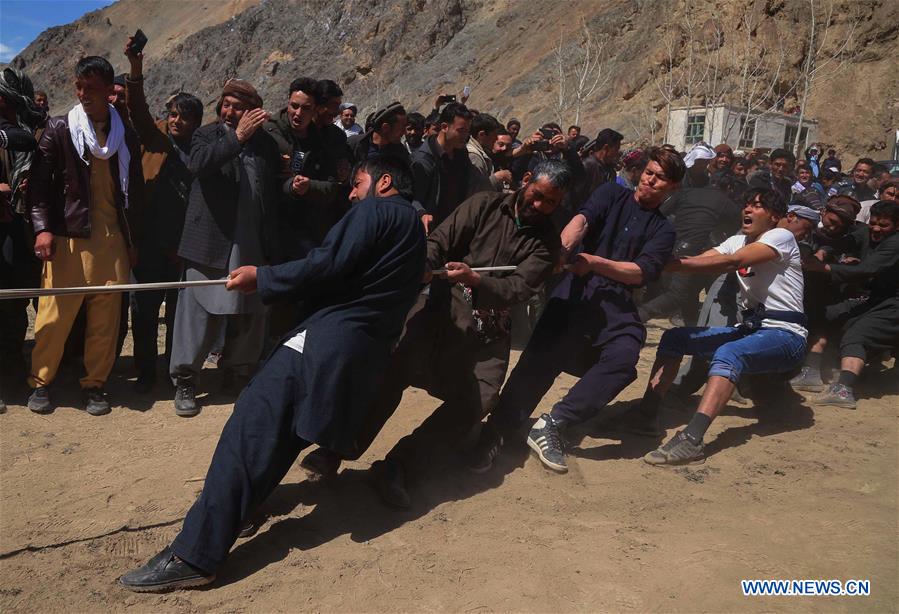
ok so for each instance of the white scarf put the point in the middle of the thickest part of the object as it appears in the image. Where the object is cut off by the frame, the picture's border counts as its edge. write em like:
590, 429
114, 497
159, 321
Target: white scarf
82, 132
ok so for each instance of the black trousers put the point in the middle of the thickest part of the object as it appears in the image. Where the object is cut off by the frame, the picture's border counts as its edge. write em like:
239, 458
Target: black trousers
255, 450
18, 269
875, 329
145, 312
675, 293
437, 357
563, 341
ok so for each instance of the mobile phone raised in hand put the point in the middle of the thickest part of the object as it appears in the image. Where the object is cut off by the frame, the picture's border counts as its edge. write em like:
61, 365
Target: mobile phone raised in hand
138, 42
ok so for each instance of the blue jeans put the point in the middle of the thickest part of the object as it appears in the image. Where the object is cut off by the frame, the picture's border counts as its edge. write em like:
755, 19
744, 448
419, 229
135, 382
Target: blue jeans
733, 353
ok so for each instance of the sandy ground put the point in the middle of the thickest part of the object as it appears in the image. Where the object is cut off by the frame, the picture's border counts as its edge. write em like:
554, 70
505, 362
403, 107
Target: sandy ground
788, 491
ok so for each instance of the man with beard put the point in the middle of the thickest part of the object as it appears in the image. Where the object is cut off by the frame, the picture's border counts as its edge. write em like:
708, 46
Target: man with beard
456, 341
590, 327
771, 338
314, 388
415, 130
484, 134
231, 221
165, 149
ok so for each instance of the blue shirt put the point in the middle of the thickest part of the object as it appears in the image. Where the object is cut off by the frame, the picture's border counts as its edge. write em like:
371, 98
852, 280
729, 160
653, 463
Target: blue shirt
618, 229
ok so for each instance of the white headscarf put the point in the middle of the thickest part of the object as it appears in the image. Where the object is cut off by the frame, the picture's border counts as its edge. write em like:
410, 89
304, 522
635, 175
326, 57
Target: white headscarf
82, 132
700, 151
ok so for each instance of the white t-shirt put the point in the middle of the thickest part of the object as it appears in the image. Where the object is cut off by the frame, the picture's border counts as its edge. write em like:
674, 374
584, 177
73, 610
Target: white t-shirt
777, 284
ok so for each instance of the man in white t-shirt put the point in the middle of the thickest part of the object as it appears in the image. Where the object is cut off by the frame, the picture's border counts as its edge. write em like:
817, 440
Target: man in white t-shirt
771, 338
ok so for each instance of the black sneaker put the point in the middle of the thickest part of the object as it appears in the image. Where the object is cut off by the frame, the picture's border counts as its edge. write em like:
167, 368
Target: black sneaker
488, 447
546, 440
164, 572
96, 403
2, 406
390, 482
39, 401
320, 464
676, 451
186, 400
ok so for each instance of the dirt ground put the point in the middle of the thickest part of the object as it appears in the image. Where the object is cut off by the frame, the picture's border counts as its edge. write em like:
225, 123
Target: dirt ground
788, 491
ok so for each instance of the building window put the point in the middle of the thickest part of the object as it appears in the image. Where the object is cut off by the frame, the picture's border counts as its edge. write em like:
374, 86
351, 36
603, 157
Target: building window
748, 138
790, 137
695, 129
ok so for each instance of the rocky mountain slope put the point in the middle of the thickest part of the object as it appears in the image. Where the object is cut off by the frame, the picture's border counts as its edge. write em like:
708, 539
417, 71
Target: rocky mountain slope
506, 50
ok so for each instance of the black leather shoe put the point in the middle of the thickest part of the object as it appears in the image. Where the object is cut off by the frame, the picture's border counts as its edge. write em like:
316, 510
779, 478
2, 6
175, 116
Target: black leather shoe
320, 465
186, 400
164, 572
390, 482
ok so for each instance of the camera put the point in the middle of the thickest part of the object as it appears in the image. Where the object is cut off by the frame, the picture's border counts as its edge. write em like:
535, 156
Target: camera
547, 133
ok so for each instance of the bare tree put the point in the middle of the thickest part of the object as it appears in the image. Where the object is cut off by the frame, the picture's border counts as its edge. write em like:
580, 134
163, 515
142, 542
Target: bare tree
561, 56
757, 68
695, 69
824, 57
581, 69
670, 81
716, 84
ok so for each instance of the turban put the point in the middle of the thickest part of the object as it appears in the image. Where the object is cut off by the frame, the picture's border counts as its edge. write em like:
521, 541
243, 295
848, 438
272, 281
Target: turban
700, 151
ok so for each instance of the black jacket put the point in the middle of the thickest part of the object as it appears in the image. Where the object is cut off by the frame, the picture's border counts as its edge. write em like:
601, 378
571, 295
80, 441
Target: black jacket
356, 290
426, 178
212, 210
59, 188
305, 220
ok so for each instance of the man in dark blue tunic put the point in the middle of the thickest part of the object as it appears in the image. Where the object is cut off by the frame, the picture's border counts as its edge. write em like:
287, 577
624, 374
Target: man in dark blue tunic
590, 327
356, 290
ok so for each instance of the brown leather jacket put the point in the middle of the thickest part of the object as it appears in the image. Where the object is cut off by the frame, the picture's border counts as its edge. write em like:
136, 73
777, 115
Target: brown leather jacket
59, 188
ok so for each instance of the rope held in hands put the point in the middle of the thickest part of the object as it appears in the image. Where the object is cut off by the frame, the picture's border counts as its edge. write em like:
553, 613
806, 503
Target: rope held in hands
168, 285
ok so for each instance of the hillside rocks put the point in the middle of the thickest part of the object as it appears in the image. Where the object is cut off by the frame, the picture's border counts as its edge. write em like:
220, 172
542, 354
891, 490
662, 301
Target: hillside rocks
504, 49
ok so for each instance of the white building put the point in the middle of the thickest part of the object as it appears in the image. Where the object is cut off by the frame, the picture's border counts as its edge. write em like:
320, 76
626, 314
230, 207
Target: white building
723, 124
